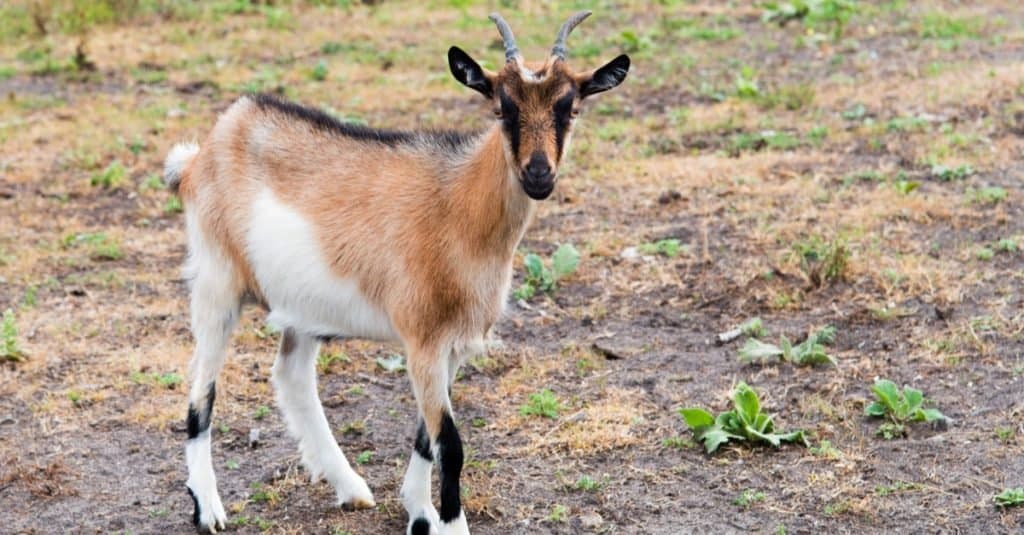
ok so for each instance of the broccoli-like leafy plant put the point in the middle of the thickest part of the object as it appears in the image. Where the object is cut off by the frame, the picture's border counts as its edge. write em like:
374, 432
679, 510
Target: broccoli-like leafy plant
745, 423
809, 352
899, 408
540, 277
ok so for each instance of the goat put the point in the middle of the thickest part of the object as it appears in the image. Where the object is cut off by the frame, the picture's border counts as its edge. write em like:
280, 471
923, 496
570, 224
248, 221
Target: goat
345, 231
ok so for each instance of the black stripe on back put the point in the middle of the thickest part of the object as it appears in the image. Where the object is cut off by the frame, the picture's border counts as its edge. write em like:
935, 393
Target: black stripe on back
324, 122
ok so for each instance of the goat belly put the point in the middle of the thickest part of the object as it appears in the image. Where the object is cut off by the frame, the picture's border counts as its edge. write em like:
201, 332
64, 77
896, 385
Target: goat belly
299, 287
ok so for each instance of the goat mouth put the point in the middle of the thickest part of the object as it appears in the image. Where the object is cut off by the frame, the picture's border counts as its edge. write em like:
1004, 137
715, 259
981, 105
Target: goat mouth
538, 192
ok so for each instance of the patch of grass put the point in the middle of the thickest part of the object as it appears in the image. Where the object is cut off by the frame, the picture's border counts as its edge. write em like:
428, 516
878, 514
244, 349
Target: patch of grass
942, 26
1007, 245
668, 247
748, 497
898, 486
826, 450
539, 277
679, 443
10, 350
586, 483
1010, 497
899, 408
100, 246
947, 174
822, 261
364, 457
325, 361
261, 412
990, 195
984, 254
744, 423
319, 72
113, 176
262, 494
173, 205
558, 513
746, 84
790, 97
543, 403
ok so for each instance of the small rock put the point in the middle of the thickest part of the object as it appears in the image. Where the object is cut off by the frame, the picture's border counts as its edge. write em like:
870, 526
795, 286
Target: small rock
254, 437
669, 197
591, 521
630, 253
175, 113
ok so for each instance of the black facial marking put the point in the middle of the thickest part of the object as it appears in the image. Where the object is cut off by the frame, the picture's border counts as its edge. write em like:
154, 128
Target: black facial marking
198, 420
422, 443
195, 506
325, 123
421, 526
563, 118
450, 457
510, 120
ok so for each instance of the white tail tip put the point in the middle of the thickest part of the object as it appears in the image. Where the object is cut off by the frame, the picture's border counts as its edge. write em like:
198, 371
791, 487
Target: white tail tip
180, 156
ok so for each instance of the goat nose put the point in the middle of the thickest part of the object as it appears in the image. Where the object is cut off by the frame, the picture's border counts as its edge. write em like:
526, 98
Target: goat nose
538, 167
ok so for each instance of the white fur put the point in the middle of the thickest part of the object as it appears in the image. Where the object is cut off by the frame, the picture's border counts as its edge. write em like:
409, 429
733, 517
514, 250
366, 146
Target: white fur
177, 159
294, 377
203, 482
214, 314
297, 283
455, 527
415, 492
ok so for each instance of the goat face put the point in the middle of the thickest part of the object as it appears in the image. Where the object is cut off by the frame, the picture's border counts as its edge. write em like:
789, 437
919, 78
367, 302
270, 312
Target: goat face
537, 104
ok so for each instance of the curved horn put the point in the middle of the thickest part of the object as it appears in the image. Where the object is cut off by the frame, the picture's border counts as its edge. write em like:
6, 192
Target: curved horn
559, 50
511, 50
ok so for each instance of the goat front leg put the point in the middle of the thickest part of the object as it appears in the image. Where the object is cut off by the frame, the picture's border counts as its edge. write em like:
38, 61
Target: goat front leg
437, 440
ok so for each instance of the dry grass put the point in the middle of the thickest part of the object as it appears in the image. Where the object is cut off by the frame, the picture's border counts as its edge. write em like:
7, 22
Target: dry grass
662, 158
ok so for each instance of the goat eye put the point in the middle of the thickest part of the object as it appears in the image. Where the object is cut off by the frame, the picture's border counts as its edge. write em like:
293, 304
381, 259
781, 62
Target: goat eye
575, 113
497, 114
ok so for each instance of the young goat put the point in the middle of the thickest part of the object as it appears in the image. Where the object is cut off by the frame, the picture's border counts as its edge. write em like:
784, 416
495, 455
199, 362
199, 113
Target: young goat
344, 231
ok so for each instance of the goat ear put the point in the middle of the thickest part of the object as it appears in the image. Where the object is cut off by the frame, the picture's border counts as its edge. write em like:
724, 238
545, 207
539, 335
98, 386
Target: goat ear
469, 72
604, 78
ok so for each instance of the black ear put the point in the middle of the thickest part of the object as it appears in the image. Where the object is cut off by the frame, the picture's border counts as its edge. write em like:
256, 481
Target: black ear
469, 72
605, 78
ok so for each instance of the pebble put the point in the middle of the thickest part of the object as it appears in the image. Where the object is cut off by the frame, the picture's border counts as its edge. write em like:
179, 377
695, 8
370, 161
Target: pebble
591, 521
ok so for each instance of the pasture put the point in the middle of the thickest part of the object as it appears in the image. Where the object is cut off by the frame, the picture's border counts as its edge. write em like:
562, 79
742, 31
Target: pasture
856, 165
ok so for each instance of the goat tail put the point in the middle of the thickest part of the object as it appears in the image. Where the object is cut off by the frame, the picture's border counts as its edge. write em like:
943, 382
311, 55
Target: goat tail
177, 162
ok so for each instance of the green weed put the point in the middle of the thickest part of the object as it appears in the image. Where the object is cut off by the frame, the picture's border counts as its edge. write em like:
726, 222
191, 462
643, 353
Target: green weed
543, 403
668, 247
822, 261
749, 497
10, 350
1010, 497
261, 412
899, 408
111, 177
744, 423
564, 262
809, 352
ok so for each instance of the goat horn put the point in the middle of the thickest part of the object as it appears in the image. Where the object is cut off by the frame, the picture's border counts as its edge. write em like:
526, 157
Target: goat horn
559, 50
511, 50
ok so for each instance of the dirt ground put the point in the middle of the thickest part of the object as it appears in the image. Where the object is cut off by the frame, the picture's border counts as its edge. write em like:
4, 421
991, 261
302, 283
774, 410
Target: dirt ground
898, 137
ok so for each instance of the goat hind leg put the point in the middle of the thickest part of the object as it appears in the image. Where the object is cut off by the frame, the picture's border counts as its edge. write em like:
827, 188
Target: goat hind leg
294, 378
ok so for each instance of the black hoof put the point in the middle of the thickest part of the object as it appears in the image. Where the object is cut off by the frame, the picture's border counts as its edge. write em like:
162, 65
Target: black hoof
420, 526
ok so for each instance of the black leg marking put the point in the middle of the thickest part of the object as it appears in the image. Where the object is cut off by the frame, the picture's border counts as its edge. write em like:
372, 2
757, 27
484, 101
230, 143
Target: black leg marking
199, 420
195, 504
422, 444
450, 459
421, 526
288, 342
